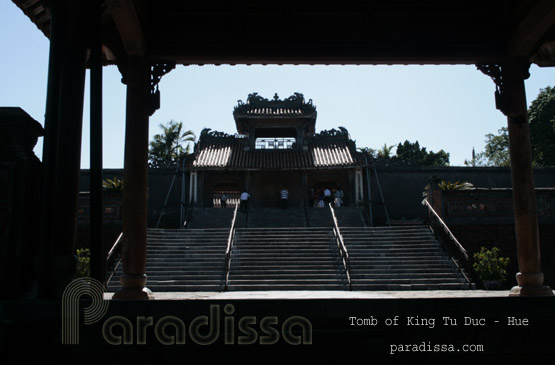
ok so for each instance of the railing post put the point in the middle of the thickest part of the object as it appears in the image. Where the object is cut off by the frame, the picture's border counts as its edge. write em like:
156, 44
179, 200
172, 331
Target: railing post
229, 247
341, 246
432, 213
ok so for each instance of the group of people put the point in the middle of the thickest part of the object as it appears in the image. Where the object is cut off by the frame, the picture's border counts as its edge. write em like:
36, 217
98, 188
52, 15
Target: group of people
244, 206
321, 198
318, 198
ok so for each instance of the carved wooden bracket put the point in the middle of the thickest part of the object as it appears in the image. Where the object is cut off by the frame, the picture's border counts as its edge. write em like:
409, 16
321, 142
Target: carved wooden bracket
156, 72
505, 75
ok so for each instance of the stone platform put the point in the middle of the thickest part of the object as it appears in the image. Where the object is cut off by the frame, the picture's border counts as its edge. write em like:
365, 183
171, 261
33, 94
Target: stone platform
269, 295
409, 327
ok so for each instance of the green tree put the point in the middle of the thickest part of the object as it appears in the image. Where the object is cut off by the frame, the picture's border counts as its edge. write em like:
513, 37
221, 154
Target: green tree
409, 153
478, 159
542, 127
167, 148
542, 136
497, 148
385, 151
496, 152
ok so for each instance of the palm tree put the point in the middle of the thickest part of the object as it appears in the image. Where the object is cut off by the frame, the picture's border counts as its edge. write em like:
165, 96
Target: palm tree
385, 151
167, 148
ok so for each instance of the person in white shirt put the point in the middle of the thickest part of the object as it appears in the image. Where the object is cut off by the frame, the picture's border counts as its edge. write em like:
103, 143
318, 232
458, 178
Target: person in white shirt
223, 201
284, 196
327, 196
245, 201
338, 197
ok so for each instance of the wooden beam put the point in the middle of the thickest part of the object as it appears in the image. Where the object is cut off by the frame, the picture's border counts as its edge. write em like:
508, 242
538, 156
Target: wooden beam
128, 25
539, 20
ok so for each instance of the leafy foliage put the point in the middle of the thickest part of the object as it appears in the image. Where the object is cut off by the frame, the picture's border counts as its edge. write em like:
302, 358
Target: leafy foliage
445, 185
209, 133
478, 159
84, 263
411, 154
407, 154
541, 115
489, 266
166, 149
112, 185
341, 131
496, 152
449, 186
542, 127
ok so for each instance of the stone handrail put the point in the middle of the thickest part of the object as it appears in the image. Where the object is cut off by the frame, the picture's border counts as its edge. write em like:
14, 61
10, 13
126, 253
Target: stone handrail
342, 247
442, 224
454, 242
230, 246
110, 258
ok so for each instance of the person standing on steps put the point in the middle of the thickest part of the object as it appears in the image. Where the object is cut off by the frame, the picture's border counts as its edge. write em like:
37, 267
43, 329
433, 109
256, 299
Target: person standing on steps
320, 199
284, 196
338, 197
245, 201
327, 196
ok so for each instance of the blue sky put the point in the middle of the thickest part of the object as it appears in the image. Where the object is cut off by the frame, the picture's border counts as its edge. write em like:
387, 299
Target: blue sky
443, 107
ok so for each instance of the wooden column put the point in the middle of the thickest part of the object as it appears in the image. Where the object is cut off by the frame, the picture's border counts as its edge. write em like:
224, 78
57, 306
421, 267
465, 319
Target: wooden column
530, 278
511, 101
304, 189
98, 252
134, 278
62, 152
49, 147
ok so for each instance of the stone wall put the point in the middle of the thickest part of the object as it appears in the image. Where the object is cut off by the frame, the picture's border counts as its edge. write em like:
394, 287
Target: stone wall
401, 187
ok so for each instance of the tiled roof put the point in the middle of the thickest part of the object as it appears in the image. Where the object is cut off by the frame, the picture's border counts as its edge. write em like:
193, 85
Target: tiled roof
229, 153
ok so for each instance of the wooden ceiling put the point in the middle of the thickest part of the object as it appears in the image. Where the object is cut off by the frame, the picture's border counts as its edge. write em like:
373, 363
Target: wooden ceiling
347, 32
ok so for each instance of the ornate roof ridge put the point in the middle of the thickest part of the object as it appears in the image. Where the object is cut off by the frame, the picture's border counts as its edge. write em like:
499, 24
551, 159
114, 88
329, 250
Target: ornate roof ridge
256, 104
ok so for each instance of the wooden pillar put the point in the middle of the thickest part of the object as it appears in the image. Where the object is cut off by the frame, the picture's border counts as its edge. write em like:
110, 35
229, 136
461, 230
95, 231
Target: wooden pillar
200, 189
62, 152
356, 186
511, 100
304, 189
133, 279
68, 165
530, 278
98, 266
49, 149
193, 188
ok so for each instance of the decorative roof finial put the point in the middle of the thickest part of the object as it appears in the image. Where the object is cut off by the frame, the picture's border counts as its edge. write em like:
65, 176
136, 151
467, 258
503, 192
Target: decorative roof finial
276, 97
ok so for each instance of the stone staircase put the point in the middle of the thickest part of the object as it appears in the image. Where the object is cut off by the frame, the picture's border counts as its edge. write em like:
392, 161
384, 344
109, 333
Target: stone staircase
346, 217
319, 217
399, 258
297, 258
286, 259
202, 218
183, 260
276, 217
349, 217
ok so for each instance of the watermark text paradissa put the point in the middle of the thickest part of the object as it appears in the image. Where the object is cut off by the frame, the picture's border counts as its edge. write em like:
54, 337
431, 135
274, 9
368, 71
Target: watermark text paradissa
171, 330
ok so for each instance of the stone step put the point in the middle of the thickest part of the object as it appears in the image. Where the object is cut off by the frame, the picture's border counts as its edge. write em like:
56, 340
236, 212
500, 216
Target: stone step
399, 287
283, 281
402, 267
440, 269
297, 258
405, 275
288, 270
432, 280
